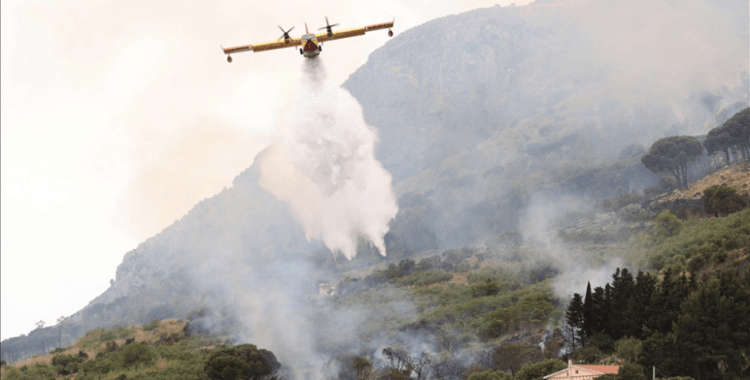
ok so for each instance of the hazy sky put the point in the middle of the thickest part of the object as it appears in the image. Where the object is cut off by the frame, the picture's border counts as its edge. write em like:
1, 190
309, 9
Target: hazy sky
117, 117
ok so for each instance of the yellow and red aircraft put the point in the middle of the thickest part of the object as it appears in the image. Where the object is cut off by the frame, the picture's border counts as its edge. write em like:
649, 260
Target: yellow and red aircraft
310, 44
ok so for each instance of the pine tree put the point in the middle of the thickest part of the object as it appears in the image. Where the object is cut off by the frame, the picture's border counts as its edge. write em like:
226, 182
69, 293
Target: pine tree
622, 290
588, 313
638, 303
664, 308
713, 330
574, 320
606, 310
599, 316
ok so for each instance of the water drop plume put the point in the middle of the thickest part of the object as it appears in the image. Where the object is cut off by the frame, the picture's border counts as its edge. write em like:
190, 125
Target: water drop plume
324, 167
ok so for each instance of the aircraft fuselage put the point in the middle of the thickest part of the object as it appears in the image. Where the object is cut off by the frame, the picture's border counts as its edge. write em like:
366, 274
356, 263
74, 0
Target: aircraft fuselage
310, 46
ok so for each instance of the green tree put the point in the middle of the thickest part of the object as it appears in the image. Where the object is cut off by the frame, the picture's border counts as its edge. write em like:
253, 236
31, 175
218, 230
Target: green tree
713, 332
672, 155
629, 348
603, 342
630, 371
722, 200
532, 371
738, 128
608, 376
664, 307
599, 313
661, 351
490, 375
718, 140
574, 322
242, 362
588, 354
622, 291
511, 356
636, 314
667, 224
588, 312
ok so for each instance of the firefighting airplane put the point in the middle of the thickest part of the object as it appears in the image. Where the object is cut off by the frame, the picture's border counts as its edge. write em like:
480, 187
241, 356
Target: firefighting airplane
310, 43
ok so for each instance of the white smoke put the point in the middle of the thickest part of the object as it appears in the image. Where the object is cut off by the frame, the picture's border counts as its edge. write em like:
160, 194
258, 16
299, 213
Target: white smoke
324, 167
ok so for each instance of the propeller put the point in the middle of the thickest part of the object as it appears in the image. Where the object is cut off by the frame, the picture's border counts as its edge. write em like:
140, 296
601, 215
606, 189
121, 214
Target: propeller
328, 27
286, 33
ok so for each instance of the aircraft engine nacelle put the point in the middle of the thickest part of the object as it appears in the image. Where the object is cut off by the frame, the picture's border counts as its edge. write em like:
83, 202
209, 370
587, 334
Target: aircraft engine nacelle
229, 58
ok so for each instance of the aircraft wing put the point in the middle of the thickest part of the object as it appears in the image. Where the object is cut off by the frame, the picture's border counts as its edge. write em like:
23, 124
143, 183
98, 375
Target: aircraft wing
292, 42
322, 37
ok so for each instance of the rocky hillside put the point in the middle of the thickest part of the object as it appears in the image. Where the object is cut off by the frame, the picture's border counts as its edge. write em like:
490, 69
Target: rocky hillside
477, 112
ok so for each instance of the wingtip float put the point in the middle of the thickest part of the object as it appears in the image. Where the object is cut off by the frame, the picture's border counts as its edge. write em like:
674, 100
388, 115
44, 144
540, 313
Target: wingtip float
310, 45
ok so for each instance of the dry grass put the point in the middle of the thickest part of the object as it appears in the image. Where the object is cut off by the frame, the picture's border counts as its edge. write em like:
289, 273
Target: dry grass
39, 359
736, 176
167, 326
439, 285
460, 278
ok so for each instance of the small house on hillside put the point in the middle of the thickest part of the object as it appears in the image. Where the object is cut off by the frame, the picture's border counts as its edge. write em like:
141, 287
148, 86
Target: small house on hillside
582, 372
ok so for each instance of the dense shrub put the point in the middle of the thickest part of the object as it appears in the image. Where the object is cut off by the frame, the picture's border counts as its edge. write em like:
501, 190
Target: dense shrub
136, 355
37, 371
722, 200
244, 361
484, 289
696, 263
67, 364
432, 276
535, 307
103, 364
702, 238
490, 375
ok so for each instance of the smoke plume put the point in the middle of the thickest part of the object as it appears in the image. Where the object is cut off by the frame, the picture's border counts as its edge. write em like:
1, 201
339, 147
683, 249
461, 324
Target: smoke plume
324, 167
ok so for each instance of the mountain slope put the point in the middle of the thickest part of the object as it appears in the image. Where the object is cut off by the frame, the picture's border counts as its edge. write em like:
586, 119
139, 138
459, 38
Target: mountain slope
477, 112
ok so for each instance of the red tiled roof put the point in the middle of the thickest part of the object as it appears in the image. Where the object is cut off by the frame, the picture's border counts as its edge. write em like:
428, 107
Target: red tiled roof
601, 368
